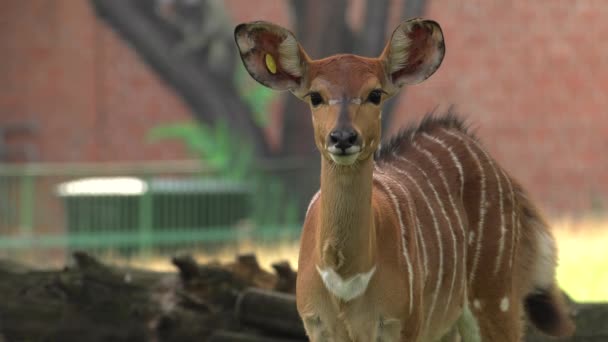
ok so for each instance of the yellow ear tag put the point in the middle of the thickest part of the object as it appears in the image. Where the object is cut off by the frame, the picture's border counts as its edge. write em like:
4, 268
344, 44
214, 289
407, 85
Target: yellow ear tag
270, 64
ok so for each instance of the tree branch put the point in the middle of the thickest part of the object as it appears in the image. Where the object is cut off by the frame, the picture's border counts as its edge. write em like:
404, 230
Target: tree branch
210, 97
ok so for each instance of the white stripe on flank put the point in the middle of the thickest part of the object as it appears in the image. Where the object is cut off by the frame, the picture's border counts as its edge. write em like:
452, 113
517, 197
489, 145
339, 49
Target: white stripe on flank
439, 169
420, 238
452, 155
511, 256
312, 201
419, 234
451, 199
482, 203
439, 245
402, 226
503, 229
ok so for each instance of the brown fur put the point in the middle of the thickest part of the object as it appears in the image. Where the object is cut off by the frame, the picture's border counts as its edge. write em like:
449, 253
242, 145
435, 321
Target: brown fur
439, 222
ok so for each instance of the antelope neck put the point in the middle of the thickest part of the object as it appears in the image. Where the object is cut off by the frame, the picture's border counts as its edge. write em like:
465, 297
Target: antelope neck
347, 234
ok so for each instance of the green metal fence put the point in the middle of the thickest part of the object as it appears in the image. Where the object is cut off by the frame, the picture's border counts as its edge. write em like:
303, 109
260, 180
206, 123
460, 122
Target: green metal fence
48, 210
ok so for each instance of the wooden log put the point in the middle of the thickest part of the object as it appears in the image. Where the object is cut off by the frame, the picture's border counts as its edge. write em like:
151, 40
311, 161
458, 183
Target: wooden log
269, 311
287, 277
90, 301
591, 321
230, 336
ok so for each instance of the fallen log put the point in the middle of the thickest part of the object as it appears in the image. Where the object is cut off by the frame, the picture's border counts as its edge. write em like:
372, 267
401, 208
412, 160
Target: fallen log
269, 311
90, 301
591, 321
230, 336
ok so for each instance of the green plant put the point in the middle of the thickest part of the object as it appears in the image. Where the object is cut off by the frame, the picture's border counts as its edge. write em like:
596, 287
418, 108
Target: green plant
231, 156
216, 146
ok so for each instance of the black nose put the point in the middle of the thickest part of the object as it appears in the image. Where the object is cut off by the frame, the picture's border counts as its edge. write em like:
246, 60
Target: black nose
343, 138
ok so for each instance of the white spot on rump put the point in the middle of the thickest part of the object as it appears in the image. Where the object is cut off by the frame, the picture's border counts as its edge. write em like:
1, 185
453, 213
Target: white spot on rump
504, 304
348, 289
477, 304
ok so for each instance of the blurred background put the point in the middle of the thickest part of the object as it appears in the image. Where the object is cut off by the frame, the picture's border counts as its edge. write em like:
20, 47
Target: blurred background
129, 128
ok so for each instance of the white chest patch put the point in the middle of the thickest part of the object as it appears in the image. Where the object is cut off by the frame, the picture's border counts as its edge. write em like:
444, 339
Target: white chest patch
346, 289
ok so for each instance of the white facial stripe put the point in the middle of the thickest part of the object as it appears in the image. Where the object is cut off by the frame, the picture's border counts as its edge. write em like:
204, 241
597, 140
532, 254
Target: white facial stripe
348, 289
355, 100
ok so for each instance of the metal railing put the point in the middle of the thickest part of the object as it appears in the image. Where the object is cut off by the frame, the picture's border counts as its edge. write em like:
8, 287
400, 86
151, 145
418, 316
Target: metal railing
48, 210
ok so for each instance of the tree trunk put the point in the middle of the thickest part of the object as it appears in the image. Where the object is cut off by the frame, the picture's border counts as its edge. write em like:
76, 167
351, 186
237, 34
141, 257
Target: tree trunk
210, 97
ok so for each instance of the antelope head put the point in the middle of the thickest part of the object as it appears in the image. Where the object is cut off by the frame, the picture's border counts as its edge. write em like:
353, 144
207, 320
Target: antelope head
345, 92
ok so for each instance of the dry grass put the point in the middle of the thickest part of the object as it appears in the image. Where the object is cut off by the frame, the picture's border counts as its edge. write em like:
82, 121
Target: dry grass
582, 271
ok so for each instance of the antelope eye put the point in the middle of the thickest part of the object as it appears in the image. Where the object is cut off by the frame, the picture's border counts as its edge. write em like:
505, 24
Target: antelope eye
315, 99
375, 96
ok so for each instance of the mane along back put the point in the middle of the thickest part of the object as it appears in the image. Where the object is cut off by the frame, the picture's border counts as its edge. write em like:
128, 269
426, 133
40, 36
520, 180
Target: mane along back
431, 121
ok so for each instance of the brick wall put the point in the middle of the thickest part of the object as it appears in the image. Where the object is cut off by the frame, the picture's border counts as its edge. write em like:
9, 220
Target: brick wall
90, 95
531, 77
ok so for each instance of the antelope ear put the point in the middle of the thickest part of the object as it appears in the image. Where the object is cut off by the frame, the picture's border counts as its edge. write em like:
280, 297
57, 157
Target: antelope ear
414, 52
271, 54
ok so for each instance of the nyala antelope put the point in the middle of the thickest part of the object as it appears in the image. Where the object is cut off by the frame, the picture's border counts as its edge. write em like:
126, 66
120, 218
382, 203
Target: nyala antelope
424, 239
